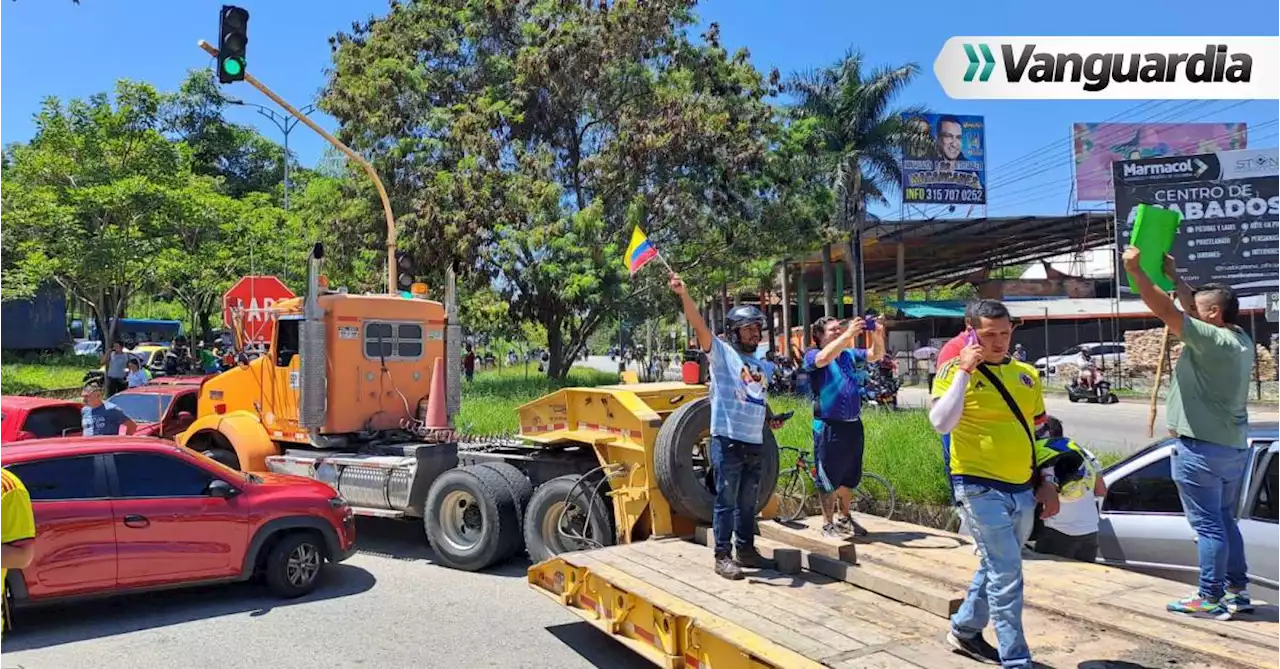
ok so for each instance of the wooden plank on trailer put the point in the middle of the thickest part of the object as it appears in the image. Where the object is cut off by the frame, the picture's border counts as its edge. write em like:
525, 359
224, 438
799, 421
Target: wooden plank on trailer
624, 561
804, 536
768, 649
938, 598
1257, 630
761, 594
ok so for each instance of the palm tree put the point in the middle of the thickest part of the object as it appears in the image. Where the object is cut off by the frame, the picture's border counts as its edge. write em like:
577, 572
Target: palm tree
863, 139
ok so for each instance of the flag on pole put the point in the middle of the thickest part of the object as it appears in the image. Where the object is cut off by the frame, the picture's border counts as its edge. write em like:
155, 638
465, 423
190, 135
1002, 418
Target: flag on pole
639, 251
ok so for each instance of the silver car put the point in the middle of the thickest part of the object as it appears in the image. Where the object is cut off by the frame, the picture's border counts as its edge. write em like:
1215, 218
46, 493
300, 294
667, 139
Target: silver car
1143, 527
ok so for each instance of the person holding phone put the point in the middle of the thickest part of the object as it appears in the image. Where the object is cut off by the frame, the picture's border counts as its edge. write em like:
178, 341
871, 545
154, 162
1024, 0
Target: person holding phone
985, 406
838, 438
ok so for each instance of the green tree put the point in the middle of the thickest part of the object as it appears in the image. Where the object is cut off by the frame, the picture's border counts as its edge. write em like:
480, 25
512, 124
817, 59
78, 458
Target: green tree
862, 136
521, 142
84, 200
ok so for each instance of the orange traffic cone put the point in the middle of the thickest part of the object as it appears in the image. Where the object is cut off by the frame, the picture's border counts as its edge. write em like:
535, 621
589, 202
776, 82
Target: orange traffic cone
437, 416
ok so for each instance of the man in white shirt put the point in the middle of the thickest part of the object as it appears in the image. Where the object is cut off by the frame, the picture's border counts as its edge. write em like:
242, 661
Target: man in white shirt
1073, 531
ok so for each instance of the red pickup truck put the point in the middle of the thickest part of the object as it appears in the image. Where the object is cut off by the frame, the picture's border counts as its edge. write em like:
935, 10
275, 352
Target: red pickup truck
23, 418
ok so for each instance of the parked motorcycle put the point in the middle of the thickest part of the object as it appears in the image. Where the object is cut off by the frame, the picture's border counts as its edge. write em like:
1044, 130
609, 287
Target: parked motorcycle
1097, 393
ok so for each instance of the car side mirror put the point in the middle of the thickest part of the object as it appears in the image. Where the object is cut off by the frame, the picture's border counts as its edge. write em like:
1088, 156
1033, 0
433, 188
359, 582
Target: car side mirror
221, 489
185, 415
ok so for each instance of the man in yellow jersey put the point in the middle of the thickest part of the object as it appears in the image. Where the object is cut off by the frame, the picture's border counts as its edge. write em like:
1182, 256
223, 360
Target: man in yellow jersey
17, 527
985, 405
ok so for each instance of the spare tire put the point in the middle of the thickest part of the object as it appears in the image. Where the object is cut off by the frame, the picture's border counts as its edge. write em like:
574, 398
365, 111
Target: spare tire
470, 517
590, 514
687, 482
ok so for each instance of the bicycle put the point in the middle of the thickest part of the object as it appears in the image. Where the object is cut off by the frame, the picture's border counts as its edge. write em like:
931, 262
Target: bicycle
798, 490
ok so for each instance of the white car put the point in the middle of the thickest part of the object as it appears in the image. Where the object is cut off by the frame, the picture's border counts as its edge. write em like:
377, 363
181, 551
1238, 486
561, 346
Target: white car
1107, 355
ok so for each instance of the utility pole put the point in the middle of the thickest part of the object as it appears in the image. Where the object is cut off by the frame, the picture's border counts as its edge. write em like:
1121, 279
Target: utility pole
286, 124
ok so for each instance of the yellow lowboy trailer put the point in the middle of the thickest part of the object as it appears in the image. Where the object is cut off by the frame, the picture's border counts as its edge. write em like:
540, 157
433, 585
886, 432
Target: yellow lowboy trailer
661, 599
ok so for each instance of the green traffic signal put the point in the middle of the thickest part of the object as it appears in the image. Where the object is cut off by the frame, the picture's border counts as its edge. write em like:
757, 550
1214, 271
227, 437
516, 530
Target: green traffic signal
233, 67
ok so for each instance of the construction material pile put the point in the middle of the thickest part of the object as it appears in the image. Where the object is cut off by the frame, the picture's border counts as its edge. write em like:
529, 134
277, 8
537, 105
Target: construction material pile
1142, 354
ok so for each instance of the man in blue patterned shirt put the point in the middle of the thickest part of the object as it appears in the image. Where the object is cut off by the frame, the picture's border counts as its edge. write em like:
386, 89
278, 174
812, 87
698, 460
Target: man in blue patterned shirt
738, 394
834, 367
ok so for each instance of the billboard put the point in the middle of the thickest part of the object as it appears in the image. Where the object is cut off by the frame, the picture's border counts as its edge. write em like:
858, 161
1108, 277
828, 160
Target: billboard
1098, 145
1230, 206
953, 170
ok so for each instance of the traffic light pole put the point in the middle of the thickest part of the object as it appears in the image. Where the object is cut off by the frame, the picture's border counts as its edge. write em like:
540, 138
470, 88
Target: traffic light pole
368, 168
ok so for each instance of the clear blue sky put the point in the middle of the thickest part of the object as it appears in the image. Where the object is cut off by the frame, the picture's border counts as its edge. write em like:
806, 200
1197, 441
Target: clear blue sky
53, 47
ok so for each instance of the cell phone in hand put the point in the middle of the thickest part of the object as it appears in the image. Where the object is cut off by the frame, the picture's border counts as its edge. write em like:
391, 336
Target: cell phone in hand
970, 337
869, 323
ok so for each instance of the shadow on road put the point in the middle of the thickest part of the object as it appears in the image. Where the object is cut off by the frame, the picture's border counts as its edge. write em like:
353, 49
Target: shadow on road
64, 623
407, 540
596, 647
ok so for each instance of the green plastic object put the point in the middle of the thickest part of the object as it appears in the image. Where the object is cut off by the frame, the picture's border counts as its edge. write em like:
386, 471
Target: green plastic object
1154, 230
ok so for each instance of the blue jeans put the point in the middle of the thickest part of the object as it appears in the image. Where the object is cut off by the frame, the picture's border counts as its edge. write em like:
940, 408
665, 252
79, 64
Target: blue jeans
737, 467
997, 521
1208, 477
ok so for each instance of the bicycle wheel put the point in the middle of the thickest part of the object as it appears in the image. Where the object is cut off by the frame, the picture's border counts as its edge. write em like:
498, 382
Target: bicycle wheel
874, 496
793, 494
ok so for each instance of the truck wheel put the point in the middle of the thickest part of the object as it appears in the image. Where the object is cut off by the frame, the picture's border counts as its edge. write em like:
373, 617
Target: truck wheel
470, 515
521, 490
682, 462
293, 566
223, 456
552, 514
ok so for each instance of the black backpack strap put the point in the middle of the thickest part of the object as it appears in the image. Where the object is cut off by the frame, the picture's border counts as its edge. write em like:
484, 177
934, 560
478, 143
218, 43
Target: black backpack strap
1013, 406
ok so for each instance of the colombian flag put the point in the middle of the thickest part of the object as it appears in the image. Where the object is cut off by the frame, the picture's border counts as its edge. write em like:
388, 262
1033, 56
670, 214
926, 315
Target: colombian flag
639, 251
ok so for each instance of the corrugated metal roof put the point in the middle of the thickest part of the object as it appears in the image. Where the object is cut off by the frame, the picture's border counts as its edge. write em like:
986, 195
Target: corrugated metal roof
1065, 308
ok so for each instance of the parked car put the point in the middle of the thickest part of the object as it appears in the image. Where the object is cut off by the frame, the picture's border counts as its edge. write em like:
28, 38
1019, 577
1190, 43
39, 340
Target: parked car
23, 418
160, 409
1105, 355
127, 514
1143, 526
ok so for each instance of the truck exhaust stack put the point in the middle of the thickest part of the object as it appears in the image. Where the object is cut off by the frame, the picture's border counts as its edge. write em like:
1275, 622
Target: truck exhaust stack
313, 389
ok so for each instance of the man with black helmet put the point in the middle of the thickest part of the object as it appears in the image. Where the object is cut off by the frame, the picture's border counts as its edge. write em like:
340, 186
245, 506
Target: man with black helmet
738, 394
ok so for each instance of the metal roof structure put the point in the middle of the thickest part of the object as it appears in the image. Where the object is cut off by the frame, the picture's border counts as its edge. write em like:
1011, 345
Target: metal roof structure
941, 251
1059, 308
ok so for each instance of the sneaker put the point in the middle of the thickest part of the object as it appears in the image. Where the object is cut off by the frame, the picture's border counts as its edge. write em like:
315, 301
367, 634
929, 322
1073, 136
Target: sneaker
832, 531
1238, 601
751, 558
726, 567
1200, 607
850, 526
976, 648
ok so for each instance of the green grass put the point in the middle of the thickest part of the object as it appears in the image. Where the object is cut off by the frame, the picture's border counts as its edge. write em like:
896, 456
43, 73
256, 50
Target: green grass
26, 374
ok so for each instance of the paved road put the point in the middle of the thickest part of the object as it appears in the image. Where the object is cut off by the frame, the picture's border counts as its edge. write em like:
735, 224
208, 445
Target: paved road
388, 606
1118, 427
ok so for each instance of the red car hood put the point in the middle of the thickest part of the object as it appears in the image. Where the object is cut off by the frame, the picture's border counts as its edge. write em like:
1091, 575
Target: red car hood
274, 480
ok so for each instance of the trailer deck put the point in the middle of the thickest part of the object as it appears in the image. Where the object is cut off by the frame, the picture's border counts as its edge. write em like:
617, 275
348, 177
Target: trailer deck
662, 599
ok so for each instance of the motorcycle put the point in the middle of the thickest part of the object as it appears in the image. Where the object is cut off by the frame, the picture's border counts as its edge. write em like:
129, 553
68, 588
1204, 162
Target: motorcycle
1098, 392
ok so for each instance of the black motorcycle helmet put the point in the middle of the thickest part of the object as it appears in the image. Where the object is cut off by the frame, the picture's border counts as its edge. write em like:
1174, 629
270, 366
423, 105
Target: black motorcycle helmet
740, 317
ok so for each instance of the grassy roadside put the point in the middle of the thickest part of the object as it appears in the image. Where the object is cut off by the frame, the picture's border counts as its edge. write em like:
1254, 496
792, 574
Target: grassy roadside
25, 374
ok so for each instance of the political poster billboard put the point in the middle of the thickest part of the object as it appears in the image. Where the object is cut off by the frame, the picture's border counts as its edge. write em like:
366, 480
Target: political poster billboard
1230, 206
953, 169
1097, 145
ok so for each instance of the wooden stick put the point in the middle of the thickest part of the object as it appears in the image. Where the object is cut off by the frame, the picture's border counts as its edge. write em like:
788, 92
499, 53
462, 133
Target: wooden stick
1155, 388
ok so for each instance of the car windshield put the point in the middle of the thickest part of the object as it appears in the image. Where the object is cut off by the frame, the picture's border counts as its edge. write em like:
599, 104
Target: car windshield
142, 407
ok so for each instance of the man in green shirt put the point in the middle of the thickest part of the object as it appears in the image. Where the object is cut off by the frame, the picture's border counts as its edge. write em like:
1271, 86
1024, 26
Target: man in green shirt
1207, 413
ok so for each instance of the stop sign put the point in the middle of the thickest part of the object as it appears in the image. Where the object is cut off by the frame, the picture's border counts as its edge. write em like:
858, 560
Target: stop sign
252, 297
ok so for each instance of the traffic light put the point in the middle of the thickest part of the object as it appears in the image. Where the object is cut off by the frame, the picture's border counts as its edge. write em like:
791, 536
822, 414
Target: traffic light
233, 37
405, 274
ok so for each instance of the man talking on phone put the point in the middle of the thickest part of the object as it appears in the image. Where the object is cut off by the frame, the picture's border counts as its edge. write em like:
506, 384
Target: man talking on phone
986, 405
838, 439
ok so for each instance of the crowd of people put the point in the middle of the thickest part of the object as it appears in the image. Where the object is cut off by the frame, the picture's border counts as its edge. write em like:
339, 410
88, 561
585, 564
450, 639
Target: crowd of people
1014, 475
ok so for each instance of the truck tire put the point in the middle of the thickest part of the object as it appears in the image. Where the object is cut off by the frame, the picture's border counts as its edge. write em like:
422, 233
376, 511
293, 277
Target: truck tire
293, 566
470, 516
223, 456
542, 534
521, 489
691, 493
